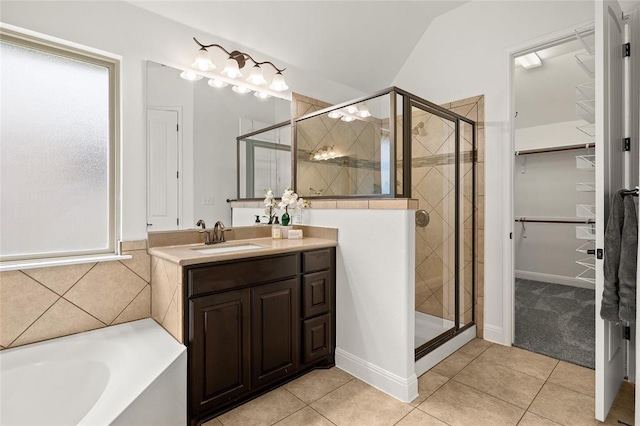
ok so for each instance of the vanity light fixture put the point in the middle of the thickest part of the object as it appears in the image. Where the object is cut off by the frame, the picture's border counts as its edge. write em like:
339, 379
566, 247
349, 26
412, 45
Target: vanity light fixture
190, 75
261, 95
235, 62
351, 112
418, 129
241, 89
347, 118
324, 153
214, 82
363, 111
334, 114
530, 60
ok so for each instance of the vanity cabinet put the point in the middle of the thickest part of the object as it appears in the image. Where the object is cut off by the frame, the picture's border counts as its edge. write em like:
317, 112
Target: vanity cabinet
255, 323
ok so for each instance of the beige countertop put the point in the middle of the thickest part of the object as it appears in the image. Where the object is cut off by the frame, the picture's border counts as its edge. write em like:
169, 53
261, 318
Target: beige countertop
187, 255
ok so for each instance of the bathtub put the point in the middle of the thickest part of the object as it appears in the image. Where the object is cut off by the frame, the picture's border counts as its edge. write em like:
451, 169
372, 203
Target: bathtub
128, 374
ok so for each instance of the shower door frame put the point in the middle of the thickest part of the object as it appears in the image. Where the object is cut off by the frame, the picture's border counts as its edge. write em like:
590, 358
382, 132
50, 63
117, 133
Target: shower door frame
409, 102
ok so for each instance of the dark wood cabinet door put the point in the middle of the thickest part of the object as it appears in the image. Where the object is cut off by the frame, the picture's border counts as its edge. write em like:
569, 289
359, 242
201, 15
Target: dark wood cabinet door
316, 294
275, 332
220, 344
317, 339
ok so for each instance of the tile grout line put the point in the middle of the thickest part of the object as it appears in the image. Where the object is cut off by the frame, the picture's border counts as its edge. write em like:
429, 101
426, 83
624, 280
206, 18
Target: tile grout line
137, 274
78, 280
131, 301
34, 321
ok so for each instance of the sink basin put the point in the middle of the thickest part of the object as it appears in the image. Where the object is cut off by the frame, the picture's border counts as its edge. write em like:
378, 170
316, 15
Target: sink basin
226, 248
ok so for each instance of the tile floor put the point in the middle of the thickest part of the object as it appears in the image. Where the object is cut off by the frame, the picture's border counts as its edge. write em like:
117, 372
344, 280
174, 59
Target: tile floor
480, 384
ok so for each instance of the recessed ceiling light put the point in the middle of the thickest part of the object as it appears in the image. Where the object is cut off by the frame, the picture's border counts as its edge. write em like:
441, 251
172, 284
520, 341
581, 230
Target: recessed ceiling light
530, 60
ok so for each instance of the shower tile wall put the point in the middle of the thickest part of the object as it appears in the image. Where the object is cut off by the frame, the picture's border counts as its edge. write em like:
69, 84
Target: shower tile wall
45, 303
433, 181
357, 143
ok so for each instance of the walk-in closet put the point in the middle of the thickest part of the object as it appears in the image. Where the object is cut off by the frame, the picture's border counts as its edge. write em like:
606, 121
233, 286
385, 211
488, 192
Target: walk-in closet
554, 201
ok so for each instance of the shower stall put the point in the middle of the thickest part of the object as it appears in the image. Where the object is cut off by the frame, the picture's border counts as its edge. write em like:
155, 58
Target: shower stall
393, 144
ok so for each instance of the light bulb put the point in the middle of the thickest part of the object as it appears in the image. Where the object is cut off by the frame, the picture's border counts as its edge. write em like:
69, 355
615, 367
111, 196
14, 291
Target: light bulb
256, 76
231, 69
347, 118
352, 109
261, 95
316, 156
203, 61
190, 75
324, 155
241, 89
334, 114
278, 83
363, 111
214, 82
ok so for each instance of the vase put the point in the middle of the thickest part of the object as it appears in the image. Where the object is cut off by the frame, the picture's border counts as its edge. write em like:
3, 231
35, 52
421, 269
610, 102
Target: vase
285, 219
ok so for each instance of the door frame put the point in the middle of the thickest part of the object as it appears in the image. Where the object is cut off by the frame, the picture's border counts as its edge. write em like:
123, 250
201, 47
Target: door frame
508, 255
178, 110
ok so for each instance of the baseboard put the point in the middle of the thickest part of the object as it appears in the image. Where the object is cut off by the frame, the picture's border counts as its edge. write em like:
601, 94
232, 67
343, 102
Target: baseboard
405, 390
554, 279
494, 334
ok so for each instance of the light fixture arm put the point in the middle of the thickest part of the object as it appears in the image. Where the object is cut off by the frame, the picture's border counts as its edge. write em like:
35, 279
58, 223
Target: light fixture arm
239, 57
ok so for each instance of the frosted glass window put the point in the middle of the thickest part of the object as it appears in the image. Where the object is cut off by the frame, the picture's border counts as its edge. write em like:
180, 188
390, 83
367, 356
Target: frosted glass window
55, 155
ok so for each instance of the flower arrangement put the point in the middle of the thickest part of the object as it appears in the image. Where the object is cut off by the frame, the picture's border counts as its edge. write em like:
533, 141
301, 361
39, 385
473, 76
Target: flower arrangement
290, 202
269, 205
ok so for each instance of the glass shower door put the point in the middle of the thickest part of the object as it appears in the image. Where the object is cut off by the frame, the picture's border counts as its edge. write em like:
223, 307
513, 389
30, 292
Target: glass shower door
442, 181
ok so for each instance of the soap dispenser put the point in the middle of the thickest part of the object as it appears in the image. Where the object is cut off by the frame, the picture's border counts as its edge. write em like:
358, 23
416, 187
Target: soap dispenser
276, 231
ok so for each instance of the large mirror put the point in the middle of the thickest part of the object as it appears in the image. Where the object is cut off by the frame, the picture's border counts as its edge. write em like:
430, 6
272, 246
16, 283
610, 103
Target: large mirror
192, 147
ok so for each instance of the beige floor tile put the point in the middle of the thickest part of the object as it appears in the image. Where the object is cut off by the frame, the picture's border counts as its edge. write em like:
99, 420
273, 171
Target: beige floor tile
616, 414
476, 347
564, 406
357, 403
317, 383
574, 377
453, 364
458, 404
428, 383
530, 363
419, 418
509, 385
265, 410
531, 419
307, 417
626, 396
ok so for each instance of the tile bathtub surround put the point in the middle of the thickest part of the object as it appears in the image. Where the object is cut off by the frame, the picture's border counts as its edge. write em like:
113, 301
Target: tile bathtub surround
480, 391
45, 303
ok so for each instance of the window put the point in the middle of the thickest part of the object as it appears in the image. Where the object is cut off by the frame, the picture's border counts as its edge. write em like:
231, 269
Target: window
58, 150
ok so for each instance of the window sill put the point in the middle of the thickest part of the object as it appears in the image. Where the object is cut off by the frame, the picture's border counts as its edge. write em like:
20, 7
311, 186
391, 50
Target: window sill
14, 265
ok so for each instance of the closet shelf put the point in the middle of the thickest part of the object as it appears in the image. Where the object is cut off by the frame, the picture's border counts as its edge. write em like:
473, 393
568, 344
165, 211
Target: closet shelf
587, 262
586, 211
584, 276
586, 232
587, 62
586, 161
586, 110
586, 37
588, 129
586, 91
555, 149
554, 220
586, 187
587, 248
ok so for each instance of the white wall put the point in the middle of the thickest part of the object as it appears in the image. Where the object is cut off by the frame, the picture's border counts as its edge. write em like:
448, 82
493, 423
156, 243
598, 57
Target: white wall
138, 35
374, 293
481, 33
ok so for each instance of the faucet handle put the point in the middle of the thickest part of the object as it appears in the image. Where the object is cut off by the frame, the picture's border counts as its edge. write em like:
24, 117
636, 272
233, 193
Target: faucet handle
202, 224
218, 232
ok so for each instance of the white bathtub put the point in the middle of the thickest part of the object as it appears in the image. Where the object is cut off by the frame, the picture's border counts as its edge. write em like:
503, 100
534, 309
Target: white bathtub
128, 374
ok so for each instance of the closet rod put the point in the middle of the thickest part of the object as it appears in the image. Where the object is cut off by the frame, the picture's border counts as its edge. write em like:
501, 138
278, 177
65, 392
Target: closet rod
560, 148
522, 219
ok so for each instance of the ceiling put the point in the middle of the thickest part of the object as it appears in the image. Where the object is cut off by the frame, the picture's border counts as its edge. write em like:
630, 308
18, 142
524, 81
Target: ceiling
361, 44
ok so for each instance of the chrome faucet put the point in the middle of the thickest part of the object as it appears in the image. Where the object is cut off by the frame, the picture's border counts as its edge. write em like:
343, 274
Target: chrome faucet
218, 232
207, 235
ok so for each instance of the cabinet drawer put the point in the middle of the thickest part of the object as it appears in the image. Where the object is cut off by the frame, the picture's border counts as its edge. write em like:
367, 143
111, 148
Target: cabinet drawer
316, 338
236, 274
316, 293
316, 260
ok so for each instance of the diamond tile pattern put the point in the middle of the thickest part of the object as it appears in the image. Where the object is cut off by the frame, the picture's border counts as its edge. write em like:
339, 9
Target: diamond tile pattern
433, 184
166, 296
475, 390
45, 303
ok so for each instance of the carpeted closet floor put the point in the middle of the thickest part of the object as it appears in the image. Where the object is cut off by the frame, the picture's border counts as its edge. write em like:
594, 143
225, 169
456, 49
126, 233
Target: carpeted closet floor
556, 320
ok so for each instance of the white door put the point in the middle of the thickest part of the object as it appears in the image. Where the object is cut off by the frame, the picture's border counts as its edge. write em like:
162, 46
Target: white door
163, 176
609, 178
